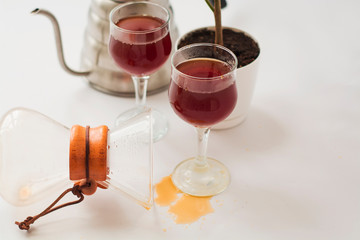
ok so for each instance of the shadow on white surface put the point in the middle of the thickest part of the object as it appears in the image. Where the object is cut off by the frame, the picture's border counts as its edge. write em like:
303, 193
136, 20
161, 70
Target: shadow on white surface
273, 210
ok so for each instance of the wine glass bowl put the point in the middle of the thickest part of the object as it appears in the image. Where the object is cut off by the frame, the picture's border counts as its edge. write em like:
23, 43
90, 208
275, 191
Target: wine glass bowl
205, 99
202, 92
140, 44
140, 40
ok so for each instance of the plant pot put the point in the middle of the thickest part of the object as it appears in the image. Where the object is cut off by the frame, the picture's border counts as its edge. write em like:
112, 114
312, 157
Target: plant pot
247, 50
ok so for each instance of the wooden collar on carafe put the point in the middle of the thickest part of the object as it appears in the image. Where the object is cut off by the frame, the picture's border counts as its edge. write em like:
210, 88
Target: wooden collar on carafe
87, 157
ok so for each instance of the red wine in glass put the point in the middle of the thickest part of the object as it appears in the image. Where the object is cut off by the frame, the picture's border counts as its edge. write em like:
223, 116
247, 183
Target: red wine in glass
202, 101
140, 49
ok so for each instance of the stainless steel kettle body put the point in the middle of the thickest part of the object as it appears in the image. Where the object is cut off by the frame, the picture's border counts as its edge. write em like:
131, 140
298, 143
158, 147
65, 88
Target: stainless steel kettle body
96, 64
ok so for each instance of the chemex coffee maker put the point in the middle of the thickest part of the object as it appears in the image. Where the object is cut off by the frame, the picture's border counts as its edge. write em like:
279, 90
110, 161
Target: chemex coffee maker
96, 64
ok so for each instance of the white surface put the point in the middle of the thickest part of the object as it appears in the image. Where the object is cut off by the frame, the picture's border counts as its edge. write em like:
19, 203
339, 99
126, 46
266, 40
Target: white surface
295, 162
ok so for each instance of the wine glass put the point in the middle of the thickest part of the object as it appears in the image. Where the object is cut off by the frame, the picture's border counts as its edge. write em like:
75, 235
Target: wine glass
202, 92
140, 44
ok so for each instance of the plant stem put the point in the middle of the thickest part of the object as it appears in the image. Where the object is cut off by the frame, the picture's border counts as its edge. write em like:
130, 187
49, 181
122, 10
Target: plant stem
140, 84
218, 27
202, 136
210, 5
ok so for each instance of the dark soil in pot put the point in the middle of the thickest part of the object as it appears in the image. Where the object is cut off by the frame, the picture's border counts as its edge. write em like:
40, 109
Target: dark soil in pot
243, 46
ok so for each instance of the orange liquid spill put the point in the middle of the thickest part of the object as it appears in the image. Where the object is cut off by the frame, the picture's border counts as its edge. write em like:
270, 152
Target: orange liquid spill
186, 209
166, 192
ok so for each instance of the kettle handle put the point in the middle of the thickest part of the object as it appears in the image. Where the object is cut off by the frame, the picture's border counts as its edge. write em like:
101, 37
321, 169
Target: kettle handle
59, 46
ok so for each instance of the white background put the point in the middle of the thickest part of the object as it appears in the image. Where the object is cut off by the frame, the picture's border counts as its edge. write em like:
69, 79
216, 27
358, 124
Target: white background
295, 162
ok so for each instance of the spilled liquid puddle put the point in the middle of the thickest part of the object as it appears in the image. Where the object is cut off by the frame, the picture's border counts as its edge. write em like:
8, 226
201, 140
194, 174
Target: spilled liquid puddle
186, 209
166, 192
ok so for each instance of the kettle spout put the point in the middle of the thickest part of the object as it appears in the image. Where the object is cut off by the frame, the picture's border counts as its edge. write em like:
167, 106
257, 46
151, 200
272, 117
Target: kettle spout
58, 40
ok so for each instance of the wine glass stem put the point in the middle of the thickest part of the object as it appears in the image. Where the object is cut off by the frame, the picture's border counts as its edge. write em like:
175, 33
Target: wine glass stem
202, 136
140, 85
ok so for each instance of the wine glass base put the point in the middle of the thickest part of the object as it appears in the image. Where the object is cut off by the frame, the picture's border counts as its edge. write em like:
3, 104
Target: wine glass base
195, 180
159, 121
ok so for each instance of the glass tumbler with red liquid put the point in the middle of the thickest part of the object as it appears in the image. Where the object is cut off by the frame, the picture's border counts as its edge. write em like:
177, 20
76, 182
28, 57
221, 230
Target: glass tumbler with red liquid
140, 44
202, 92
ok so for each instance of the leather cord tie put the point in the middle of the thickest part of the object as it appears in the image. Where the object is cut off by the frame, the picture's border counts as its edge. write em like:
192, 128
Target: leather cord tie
76, 190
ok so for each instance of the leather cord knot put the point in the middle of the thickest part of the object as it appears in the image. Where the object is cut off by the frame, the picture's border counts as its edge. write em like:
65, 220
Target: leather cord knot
76, 190
25, 224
